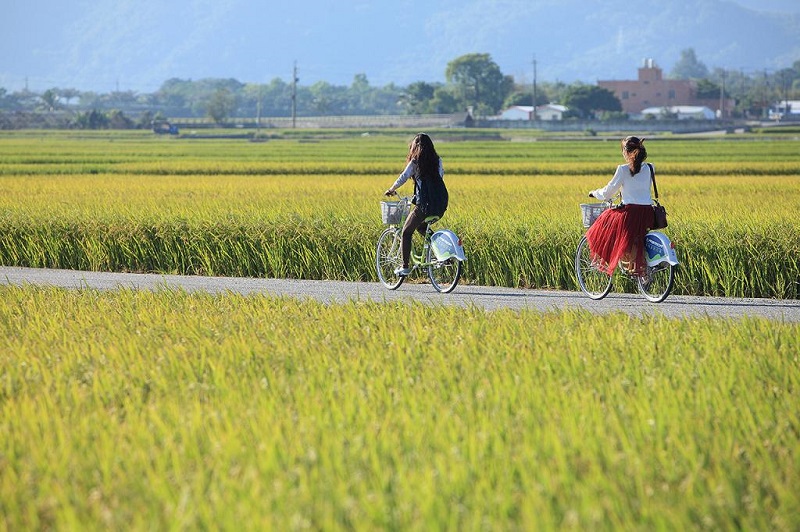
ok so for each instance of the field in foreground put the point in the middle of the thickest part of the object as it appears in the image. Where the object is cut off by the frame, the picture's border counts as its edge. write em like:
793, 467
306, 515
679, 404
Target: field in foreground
309, 208
129, 410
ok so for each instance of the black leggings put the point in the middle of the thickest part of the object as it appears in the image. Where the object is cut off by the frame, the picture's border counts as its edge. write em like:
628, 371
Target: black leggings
414, 222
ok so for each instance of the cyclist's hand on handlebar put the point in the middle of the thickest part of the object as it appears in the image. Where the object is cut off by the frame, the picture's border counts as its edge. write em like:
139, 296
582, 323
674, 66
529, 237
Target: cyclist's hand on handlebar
390, 193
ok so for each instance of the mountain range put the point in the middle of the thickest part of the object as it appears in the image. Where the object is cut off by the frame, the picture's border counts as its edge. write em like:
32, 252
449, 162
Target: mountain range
136, 45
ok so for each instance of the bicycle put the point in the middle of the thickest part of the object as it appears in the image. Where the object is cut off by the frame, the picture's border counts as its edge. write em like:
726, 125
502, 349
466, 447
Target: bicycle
662, 262
442, 254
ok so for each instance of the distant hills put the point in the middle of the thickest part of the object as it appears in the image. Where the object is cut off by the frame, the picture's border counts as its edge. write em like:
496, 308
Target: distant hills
109, 45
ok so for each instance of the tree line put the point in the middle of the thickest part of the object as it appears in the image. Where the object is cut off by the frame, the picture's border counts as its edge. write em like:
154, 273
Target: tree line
473, 81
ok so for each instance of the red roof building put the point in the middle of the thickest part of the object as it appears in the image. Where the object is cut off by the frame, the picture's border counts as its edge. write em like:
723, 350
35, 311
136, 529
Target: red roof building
652, 90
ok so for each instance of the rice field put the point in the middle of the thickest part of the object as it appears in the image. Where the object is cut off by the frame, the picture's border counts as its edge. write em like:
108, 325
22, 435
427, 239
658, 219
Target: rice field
167, 410
309, 207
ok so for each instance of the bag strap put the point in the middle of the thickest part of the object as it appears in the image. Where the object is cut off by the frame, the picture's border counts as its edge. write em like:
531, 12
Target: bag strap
653, 179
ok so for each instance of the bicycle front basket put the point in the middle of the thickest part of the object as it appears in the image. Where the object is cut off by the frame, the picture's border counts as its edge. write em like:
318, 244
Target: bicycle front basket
393, 212
590, 212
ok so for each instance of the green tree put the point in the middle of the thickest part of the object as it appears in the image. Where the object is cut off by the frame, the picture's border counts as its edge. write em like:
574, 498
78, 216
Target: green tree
359, 94
688, 66
220, 105
478, 82
586, 100
416, 98
445, 101
50, 99
524, 96
118, 120
707, 89
69, 94
93, 119
327, 99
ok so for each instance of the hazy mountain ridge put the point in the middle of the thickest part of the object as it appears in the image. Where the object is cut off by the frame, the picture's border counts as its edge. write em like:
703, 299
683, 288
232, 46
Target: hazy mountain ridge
138, 44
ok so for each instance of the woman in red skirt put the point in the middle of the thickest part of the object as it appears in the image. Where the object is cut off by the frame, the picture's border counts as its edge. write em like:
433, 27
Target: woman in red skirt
617, 236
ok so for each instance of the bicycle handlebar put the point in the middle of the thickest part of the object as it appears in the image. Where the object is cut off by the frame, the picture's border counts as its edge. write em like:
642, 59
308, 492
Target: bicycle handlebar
609, 201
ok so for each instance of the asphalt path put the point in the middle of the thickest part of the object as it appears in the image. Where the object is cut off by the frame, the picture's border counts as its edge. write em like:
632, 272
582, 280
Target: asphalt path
487, 297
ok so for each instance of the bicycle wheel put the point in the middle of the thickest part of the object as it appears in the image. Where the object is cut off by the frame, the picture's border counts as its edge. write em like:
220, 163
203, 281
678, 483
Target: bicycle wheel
388, 258
444, 275
592, 281
657, 284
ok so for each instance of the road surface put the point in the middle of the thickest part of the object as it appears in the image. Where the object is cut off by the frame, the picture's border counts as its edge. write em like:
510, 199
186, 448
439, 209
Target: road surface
487, 297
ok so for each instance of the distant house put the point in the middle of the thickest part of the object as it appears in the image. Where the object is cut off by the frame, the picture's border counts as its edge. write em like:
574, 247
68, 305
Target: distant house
517, 112
785, 110
548, 111
679, 112
652, 90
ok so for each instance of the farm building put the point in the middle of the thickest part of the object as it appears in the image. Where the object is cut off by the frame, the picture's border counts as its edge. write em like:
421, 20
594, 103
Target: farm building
548, 111
679, 112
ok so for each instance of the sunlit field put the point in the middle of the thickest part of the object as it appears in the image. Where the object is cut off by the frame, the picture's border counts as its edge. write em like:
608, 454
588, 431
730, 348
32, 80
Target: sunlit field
309, 207
167, 410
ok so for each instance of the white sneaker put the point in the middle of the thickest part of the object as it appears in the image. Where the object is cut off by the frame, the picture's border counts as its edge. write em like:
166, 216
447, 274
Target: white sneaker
402, 272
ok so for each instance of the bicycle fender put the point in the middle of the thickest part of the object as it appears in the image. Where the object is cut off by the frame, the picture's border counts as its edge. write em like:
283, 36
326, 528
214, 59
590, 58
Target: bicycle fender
447, 245
659, 248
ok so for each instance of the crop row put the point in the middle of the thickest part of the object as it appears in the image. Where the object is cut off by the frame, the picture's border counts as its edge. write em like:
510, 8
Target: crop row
496, 168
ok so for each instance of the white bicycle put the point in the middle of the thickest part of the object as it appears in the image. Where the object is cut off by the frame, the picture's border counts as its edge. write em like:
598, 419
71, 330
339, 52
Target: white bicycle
441, 256
662, 262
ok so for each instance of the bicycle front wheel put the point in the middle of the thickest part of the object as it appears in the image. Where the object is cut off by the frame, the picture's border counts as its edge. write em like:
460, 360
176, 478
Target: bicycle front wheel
444, 275
657, 284
593, 282
388, 257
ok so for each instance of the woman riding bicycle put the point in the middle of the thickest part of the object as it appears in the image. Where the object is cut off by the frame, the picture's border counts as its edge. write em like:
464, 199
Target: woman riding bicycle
617, 236
430, 192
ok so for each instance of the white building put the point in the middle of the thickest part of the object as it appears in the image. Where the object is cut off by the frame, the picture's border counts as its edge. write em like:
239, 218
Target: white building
548, 111
779, 110
680, 112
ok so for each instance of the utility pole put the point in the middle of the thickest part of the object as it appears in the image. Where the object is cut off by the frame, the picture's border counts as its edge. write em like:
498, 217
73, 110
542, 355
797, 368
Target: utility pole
295, 79
258, 114
785, 85
533, 114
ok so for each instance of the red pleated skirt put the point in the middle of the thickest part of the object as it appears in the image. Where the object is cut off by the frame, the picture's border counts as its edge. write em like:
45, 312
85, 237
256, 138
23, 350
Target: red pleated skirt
617, 237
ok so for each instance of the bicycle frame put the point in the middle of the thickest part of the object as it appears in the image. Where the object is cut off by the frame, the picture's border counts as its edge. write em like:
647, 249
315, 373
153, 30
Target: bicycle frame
441, 254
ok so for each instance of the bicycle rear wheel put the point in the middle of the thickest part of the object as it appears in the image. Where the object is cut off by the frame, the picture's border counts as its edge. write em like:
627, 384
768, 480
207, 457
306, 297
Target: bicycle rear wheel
444, 275
657, 284
388, 258
592, 281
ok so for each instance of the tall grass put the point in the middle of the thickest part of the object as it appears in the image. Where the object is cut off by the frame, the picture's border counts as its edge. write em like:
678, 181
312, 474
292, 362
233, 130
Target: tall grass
310, 210
169, 410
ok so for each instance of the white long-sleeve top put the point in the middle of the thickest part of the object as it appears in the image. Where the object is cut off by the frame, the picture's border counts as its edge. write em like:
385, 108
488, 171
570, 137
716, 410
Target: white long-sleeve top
635, 188
409, 171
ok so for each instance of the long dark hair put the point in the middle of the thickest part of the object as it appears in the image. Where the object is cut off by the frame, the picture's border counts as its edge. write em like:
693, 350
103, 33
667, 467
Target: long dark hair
634, 153
421, 151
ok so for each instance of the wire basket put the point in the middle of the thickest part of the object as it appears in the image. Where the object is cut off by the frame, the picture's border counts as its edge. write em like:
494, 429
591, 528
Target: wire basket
394, 212
590, 212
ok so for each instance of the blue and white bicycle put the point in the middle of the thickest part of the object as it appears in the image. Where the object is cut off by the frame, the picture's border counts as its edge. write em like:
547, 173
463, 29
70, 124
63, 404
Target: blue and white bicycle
662, 261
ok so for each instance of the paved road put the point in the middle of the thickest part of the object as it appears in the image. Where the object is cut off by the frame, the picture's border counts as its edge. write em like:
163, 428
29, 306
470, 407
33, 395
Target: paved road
487, 297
